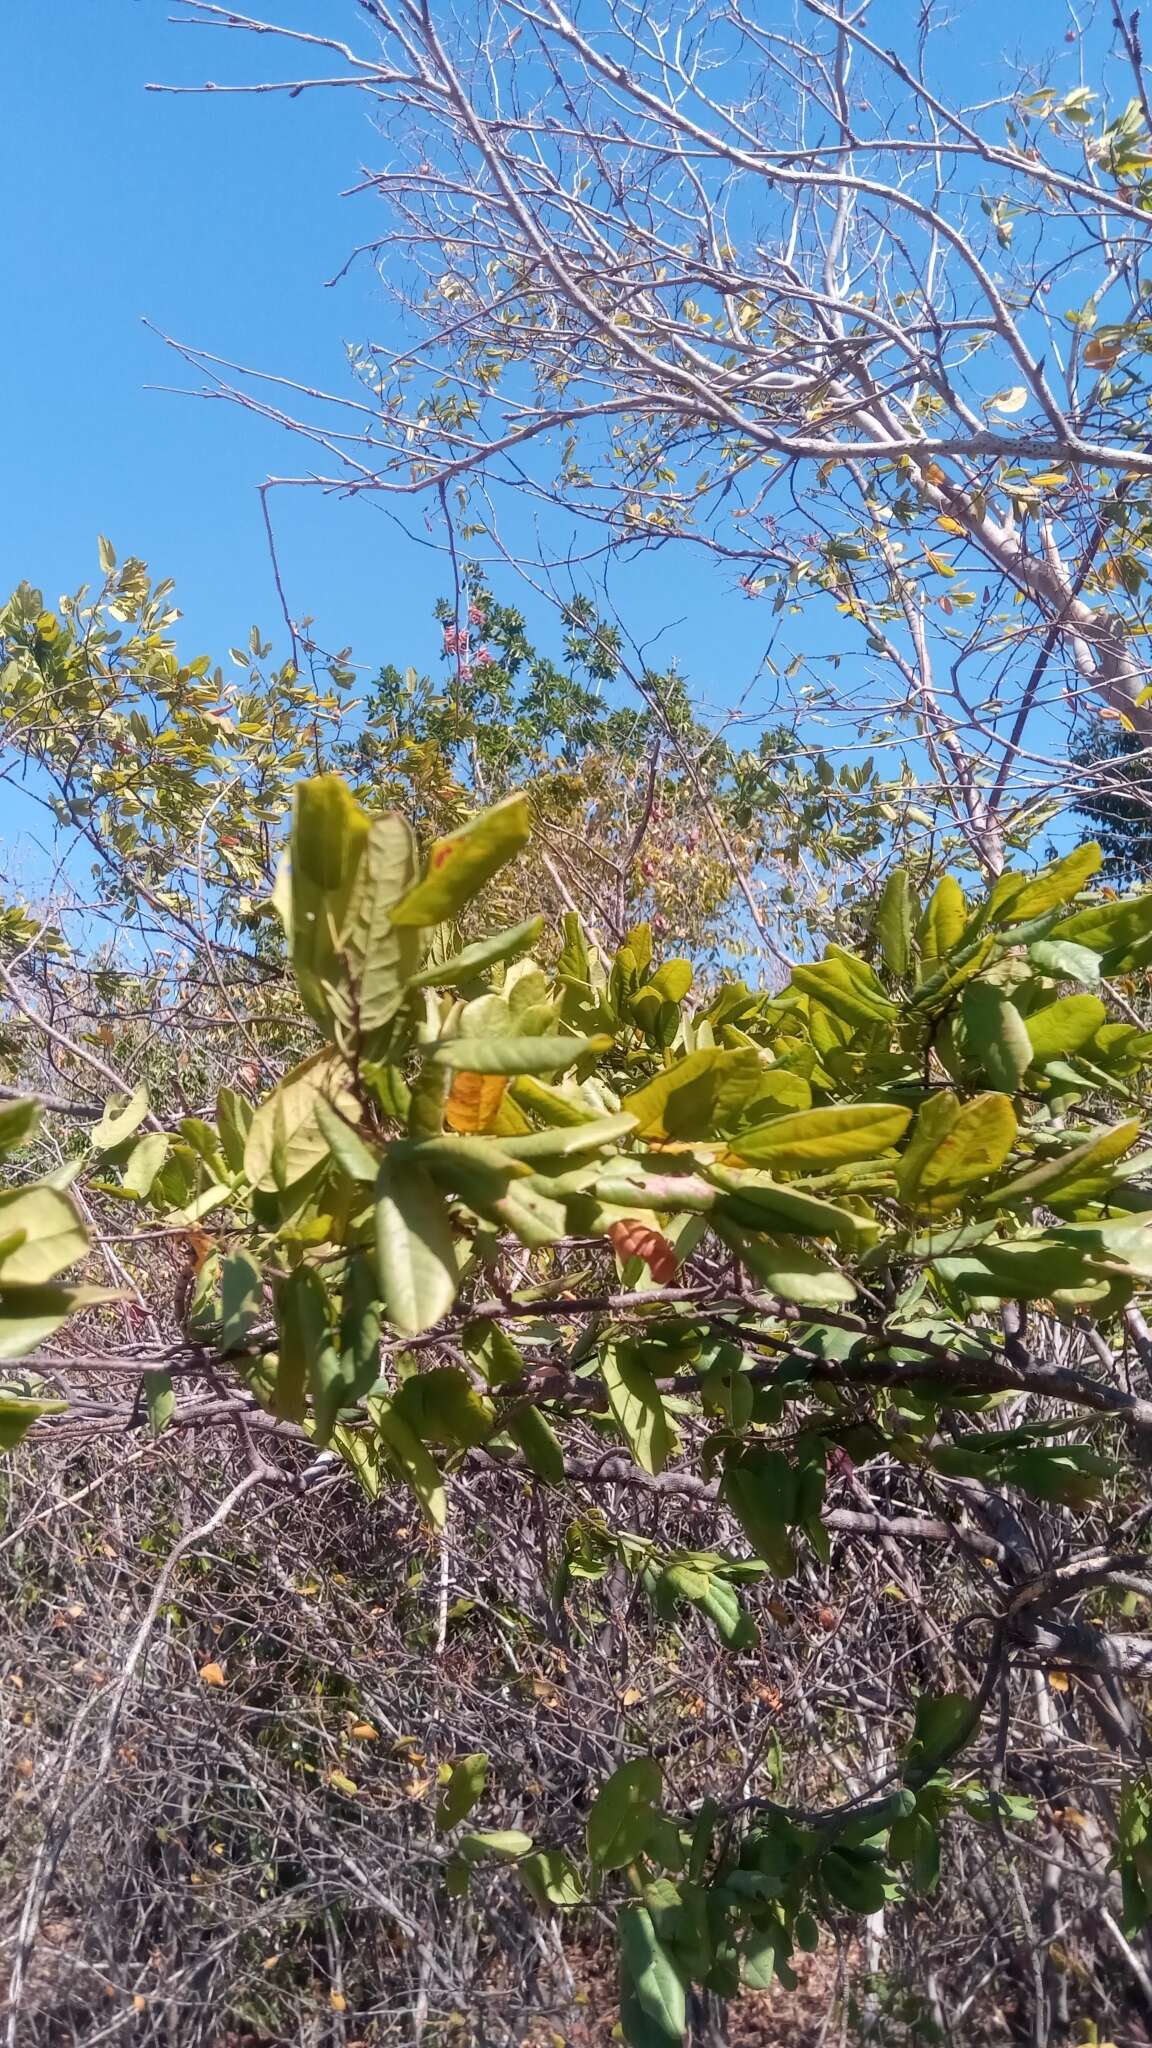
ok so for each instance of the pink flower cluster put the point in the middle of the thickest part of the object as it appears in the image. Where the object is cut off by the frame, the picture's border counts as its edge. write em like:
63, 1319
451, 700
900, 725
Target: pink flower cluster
456, 642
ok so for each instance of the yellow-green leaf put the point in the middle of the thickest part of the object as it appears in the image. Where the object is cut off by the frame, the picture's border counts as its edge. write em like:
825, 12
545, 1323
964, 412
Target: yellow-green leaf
815, 1138
1064, 1026
954, 1144
53, 1235
459, 865
635, 1402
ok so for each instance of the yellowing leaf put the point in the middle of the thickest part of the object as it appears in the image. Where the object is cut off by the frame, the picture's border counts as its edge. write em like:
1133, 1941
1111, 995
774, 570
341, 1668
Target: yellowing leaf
1009, 401
213, 1674
474, 1101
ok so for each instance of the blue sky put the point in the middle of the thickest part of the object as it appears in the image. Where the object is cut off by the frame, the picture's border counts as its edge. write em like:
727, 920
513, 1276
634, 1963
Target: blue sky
219, 219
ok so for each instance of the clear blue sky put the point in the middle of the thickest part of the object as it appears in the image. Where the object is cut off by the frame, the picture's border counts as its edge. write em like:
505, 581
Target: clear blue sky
219, 220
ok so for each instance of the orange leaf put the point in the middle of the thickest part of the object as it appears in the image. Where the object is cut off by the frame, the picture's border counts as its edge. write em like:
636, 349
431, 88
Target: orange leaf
474, 1102
212, 1674
1101, 352
634, 1240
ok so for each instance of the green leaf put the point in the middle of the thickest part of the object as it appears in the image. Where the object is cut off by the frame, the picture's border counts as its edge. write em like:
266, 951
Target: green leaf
1055, 884
761, 1488
329, 831
516, 1055
758, 1203
443, 1407
551, 1878
241, 1299
652, 1987
894, 920
621, 1815
410, 1459
539, 1443
30, 1315
415, 1251
475, 959
507, 1845
1077, 1169
698, 1096
954, 1144
814, 1138
942, 925
160, 1399
345, 1144
636, 1404
18, 1122
18, 1413
568, 1141
53, 1236
464, 1788
144, 1163
459, 865
284, 1140
233, 1121
381, 957
1066, 1025
944, 1723
787, 1269
996, 1034
1064, 959
672, 981
120, 1120
302, 1321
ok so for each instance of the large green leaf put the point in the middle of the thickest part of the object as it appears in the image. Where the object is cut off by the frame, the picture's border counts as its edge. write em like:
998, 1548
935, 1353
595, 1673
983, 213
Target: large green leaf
760, 1487
304, 1332
50, 1233
1064, 1026
551, 1878
1076, 1169
894, 920
120, 1120
1055, 884
506, 1845
942, 925
635, 1402
381, 956
284, 1139
621, 1816
944, 1723
698, 1097
538, 1441
787, 1269
757, 1202
815, 1138
415, 1252
345, 1144
459, 865
329, 833
954, 1144
652, 1987
442, 1406
515, 1054
996, 1034
407, 1455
